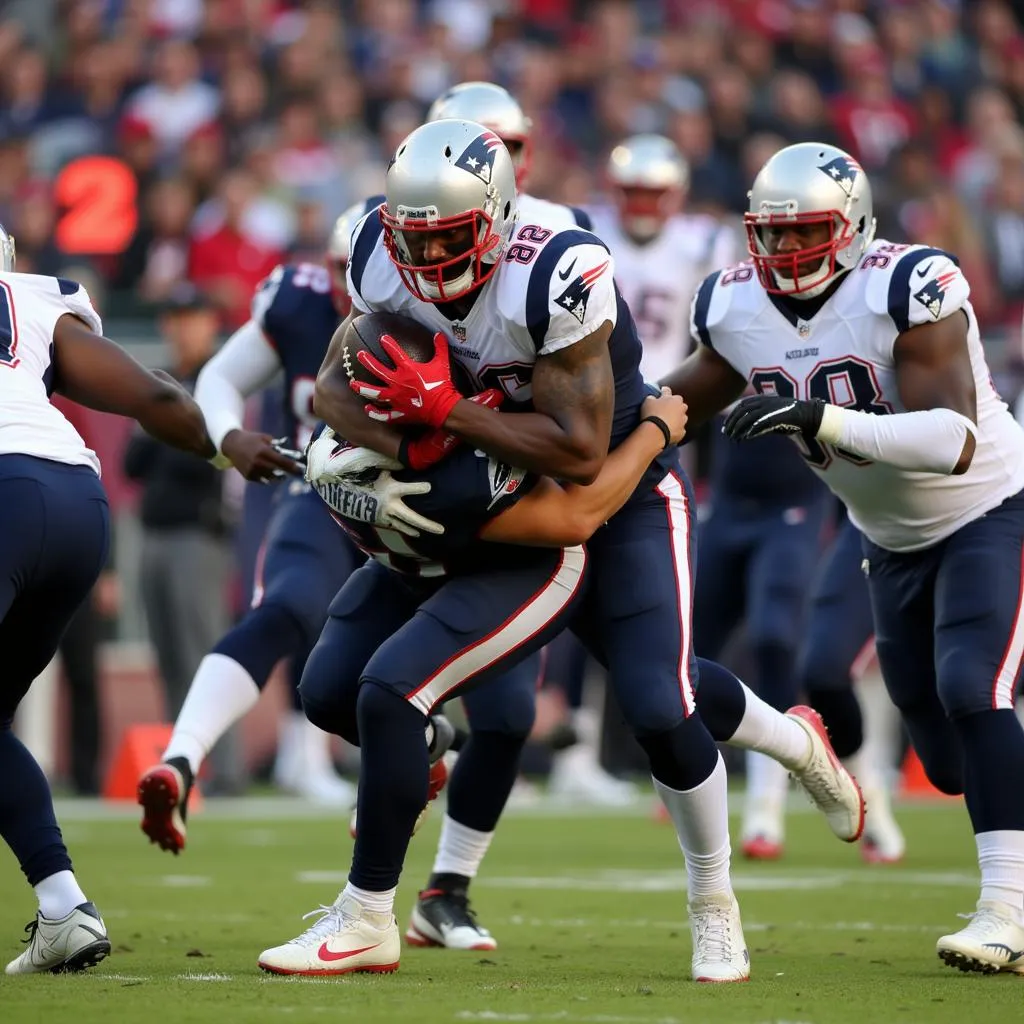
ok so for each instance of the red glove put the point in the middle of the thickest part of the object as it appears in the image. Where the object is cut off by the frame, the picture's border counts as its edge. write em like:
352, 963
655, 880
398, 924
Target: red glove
414, 392
421, 452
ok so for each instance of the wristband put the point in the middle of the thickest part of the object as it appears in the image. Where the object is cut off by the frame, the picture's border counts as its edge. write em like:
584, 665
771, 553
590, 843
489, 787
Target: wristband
662, 426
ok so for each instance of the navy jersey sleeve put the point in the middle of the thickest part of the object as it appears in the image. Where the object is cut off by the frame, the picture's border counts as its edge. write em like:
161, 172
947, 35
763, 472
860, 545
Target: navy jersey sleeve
467, 490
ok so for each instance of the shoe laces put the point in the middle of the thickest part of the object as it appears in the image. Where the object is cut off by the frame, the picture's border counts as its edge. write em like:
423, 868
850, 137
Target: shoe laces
820, 775
984, 920
32, 927
331, 921
713, 927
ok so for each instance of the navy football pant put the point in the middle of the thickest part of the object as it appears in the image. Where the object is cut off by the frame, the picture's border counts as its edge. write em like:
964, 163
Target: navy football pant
949, 624
636, 620
840, 634
756, 566
303, 562
55, 524
395, 648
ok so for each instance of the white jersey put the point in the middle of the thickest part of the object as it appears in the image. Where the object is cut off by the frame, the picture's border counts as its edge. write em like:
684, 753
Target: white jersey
553, 288
844, 355
30, 306
658, 280
553, 215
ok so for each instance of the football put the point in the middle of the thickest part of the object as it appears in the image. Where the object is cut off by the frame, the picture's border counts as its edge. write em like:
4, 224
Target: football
415, 339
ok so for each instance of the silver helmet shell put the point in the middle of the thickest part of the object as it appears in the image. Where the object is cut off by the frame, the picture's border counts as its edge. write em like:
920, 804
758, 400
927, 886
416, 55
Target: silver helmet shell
8, 257
337, 255
446, 176
495, 108
648, 176
810, 183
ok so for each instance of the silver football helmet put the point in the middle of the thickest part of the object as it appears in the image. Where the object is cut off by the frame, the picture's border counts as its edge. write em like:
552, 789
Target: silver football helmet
337, 255
648, 176
450, 210
7, 254
807, 185
495, 108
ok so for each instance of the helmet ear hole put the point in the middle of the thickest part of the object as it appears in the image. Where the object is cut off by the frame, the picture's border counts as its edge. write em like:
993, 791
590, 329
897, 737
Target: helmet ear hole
448, 152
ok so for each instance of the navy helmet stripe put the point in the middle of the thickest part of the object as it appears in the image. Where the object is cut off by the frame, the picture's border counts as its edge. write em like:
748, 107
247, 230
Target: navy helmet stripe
538, 291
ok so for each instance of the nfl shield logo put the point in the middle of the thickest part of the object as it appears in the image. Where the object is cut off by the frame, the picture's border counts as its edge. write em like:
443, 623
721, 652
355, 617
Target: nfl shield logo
459, 330
803, 328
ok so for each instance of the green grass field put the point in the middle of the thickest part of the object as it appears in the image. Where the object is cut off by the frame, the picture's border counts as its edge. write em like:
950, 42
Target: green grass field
589, 913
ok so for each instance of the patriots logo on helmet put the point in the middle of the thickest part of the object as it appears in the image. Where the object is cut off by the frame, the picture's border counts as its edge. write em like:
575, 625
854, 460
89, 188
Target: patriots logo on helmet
574, 298
843, 171
931, 295
478, 156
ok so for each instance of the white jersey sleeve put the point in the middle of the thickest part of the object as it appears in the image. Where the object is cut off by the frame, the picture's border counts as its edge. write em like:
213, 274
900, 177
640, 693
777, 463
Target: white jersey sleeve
571, 292
922, 285
374, 284
30, 307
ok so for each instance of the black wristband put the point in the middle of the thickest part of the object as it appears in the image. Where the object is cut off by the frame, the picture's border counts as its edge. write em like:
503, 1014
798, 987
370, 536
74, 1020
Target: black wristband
662, 426
403, 450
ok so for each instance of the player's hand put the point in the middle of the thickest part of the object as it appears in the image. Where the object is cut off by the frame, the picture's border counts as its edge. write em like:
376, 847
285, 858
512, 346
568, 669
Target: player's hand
380, 501
433, 446
255, 456
773, 414
412, 392
329, 460
669, 408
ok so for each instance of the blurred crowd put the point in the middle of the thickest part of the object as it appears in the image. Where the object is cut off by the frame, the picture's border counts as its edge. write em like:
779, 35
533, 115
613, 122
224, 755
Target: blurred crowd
155, 140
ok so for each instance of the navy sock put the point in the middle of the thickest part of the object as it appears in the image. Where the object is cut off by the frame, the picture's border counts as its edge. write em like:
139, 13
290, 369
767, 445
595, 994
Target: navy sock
483, 778
840, 711
265, 636
721, 700
392, 785
993, 748
775, 675
27, 822
683, 757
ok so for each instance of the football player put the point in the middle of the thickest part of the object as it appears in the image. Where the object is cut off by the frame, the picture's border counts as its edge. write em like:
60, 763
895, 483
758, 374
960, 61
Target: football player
301, 565
867, 353
533, 310
53, 511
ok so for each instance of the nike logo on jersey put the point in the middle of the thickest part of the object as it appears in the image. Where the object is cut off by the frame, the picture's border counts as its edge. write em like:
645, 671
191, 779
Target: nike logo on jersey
574, 299
568, 271
922, 271
326, 955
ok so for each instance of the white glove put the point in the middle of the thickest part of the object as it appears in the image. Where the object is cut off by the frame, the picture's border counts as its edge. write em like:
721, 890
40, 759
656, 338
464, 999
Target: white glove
357, 483
327, 460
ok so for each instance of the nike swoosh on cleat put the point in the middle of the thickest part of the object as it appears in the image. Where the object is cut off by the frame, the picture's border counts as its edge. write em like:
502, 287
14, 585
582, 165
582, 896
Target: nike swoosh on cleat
1012, 955
565, 276
92, 931
326, 955
922, 271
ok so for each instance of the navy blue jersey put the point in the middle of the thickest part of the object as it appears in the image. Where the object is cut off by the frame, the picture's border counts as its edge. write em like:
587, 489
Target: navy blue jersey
770, 471
293, 308
467, 490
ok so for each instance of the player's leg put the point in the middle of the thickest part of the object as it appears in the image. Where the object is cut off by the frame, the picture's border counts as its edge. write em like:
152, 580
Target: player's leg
724, 545
468, 631
979, 650
500, 716
778, 578
304, 562
839, 636
56, 518
642, 590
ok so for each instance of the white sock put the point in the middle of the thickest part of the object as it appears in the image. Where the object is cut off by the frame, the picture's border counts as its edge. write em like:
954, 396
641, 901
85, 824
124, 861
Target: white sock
1001, 857
461, 849
701, 818
374, 902
865, 771
58, 895
765, 798
769, 731
221, 693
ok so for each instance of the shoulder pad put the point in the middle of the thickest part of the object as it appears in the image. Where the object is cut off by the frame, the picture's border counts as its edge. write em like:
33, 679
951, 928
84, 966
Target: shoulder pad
913, 285
365, 237
77, 300
264, 296
713, 299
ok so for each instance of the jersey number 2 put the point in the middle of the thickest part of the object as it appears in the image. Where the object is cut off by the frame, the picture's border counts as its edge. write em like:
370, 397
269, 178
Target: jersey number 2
8, 328
848, 382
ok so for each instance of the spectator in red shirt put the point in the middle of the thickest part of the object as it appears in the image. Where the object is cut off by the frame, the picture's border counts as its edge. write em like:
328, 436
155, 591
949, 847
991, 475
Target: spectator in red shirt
226, 261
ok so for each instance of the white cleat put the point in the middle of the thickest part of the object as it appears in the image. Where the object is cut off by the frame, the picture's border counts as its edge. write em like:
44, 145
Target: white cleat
346, 939
73, 943
832, 789
882, 842
577, 777
993, 941
719, 949
762, 834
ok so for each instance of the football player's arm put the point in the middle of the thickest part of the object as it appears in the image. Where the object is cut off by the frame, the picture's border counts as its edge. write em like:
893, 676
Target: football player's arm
567, 437
706, 382
937, 433
99, 374
554, 515
343, 410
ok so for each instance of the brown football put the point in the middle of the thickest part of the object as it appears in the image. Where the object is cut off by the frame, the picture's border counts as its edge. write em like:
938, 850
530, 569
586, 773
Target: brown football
414, 338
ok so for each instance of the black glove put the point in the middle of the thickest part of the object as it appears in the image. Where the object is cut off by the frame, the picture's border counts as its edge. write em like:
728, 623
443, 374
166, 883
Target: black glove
772, 414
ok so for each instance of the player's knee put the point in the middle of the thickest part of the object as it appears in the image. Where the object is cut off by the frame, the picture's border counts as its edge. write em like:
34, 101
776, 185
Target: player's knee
647, 716
964, 686
511, 713
943, 768
378, 704
329, 701
264, 636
